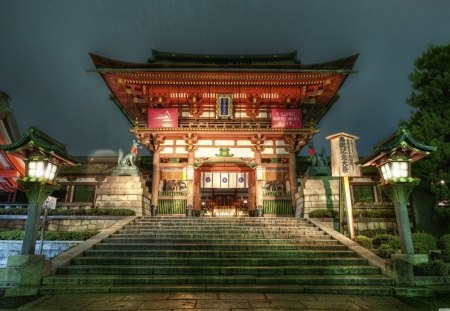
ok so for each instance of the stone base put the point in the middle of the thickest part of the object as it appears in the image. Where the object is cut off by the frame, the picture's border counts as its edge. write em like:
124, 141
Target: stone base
318, 171
411, 259
25, 273
403, 267
124, 192
125, 171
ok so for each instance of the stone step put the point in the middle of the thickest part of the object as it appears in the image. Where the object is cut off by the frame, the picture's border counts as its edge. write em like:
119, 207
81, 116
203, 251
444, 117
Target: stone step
222, 241
219, 270
220, 254
222, 279
317, 289
200, 237
219, 262
195, 246
220, 230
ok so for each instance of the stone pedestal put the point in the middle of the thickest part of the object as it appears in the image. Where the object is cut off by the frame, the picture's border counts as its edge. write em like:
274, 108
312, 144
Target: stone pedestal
24, 273
403, 267
317, 193
124, 192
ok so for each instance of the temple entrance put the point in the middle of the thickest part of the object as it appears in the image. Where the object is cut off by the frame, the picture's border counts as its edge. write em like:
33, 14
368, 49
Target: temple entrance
225, 190
218, 202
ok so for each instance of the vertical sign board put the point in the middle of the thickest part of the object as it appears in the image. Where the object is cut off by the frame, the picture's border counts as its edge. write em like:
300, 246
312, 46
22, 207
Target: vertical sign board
343, 158
286, 118
344, 155
224, 106
162, 117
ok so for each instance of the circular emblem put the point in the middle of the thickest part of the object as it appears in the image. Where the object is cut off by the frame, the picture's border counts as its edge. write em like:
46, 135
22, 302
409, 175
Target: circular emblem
208, 179
241, 179
224, 180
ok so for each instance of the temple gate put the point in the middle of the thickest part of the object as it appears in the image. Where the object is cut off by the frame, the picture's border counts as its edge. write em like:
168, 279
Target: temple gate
224, 130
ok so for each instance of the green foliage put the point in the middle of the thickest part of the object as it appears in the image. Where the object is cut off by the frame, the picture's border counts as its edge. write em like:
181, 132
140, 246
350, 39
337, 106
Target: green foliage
386, 239
423, 242
322, 213
385, 251
364, 241
429, 123
13, 211
50, 235
372, 232
432, 268
380, 239
374, 212
444, 245
73, 212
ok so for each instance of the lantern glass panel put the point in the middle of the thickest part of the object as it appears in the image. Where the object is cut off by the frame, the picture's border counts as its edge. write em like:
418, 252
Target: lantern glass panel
50, 171
36, 169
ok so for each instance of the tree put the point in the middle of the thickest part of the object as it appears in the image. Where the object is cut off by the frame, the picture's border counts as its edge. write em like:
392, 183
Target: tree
430, 121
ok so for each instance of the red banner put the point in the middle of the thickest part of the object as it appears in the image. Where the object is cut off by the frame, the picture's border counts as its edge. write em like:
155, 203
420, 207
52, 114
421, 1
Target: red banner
286, 118
162, 117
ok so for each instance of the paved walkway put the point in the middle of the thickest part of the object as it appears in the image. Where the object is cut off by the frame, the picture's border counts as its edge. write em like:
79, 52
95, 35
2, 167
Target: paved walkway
214, 301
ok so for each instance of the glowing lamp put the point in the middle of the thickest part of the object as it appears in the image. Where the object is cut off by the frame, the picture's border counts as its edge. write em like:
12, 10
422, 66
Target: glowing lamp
395, 169
190, 172
41, 169
259, 172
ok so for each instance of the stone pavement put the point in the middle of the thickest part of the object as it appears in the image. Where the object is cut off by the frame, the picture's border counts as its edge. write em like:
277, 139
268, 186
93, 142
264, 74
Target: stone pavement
214, 301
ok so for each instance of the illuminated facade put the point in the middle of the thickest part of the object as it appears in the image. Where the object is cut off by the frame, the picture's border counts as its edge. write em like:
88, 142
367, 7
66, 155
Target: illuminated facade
224, 130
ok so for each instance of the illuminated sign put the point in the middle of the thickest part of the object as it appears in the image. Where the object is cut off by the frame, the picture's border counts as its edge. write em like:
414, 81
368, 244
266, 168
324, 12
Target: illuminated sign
162, 117
286, 118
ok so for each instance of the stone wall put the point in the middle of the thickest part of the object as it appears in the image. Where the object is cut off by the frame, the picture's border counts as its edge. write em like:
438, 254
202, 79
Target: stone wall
388, 224
124, 192
51, 249
62, 223
317, 193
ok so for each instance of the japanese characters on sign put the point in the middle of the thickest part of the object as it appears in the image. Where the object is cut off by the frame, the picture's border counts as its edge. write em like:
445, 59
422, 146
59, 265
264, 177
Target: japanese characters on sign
224, 106
162, 117
344, 155
286, 118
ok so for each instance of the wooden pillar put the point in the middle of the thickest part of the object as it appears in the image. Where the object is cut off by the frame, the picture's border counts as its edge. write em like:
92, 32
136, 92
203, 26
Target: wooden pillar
258, 183
293, 178
251, 191
190, 185
155, 178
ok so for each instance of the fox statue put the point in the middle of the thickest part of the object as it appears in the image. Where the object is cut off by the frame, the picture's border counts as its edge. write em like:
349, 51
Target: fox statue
128, 159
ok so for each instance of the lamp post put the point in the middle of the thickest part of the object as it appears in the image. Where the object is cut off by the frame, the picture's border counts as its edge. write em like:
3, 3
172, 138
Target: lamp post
43, 156
393, 158
259, 190
190, 189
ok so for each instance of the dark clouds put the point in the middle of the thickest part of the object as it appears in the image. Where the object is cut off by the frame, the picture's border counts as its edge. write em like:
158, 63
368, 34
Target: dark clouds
45, 44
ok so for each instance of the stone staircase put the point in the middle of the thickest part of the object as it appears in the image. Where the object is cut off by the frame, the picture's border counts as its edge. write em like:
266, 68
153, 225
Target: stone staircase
219, 254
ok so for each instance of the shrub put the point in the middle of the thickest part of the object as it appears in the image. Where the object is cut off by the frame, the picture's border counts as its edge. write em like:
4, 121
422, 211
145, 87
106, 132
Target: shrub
50, 235
385, 251
73, 212
374, 213
423, 242
432, 268
322, 213
372, 232
13, 211
444, 244
380, 239
12, 235
364, 241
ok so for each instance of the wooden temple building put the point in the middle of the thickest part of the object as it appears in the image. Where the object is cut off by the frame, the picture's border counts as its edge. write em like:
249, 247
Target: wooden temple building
224, 130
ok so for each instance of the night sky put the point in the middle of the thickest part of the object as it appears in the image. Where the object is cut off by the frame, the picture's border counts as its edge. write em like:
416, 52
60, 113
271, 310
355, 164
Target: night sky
44, 57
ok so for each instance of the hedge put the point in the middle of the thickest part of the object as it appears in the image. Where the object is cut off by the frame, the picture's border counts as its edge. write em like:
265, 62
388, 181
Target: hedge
360, 212
50, 235
431, 268
423, 242
73, 212
444, 244
364, 241
322, 213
